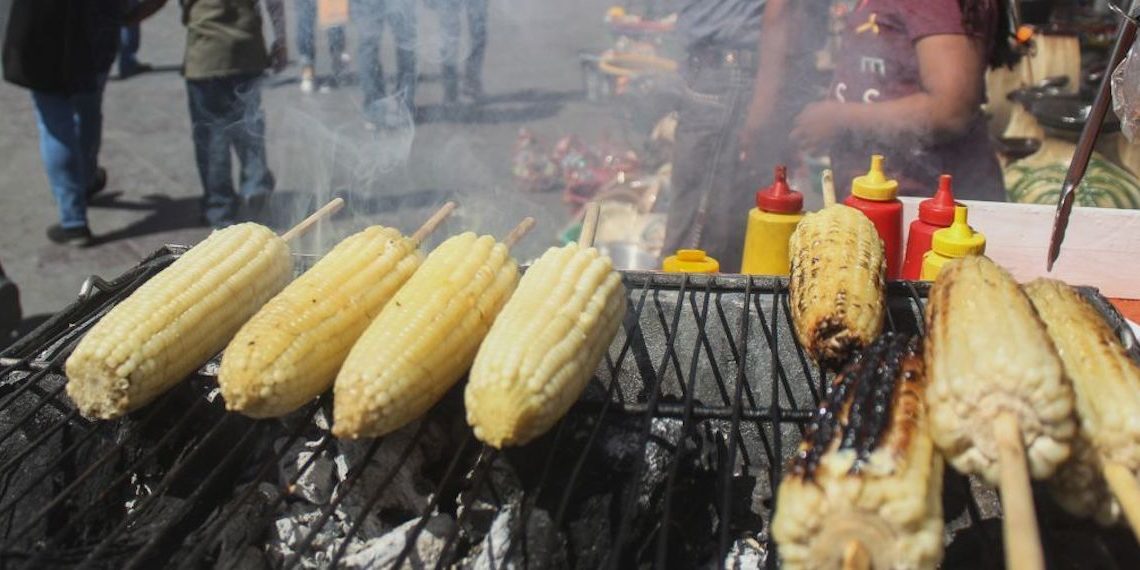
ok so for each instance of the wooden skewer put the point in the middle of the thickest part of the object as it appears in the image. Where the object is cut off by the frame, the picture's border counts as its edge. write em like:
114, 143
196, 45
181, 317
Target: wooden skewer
433, 222
589, 225
306, 224
1127, 490
855, 556
1019, 525
520, 230
828, 181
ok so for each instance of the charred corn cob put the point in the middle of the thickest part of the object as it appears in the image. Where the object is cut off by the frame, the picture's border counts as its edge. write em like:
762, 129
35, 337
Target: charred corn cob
987, 354
836, 284
176, 321
867, 470
425, 338
291, 350
544, 346
1106, 388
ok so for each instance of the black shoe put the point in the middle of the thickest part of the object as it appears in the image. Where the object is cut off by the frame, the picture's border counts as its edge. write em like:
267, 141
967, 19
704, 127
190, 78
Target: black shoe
99, 183
254, 208
78, 237
10, 313
473, 89
136, 69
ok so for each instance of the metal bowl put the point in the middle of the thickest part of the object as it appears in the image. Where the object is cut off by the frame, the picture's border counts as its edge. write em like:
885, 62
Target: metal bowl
629, 255
1014, 148
1065, 117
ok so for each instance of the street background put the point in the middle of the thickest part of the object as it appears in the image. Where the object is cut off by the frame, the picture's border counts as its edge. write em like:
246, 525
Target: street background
318, 147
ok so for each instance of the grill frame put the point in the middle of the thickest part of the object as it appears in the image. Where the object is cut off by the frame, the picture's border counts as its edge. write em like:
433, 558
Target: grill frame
761, 409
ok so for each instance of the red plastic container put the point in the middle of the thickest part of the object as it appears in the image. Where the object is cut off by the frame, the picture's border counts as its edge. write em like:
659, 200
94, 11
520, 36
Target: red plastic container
877, 197
933, 214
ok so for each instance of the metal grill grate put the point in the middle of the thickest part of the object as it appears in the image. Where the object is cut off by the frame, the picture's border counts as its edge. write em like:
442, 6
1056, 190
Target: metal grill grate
670, 459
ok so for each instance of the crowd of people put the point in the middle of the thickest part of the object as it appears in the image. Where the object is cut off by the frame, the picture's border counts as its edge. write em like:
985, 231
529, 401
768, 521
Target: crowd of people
908, 83
225, 60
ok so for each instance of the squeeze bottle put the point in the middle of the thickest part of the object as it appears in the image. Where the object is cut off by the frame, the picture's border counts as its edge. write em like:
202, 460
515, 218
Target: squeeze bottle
690, 261
770, 224
877, 197
958, 240
933, 214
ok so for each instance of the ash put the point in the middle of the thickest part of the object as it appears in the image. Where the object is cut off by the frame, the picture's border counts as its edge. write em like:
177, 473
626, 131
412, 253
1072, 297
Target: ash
335, 480
504, 512
746, 554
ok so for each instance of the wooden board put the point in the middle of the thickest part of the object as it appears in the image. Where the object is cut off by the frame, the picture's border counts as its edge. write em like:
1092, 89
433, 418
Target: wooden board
1101, 249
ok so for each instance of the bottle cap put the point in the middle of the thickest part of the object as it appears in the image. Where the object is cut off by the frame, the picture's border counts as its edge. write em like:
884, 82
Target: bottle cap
779, 198
690, 261
874, 185
939, 210
958, 240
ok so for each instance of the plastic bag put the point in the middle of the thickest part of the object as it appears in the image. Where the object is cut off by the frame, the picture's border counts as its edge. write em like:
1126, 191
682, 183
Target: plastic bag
1126, 93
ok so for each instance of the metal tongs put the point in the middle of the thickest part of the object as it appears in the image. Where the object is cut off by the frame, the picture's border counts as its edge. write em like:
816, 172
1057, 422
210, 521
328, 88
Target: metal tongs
1091, 130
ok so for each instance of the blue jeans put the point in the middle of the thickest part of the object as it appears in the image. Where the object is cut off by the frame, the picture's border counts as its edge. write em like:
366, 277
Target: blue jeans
225, 113
449, 20
71, 130
129, 39
711, 193
307, 30
369, 17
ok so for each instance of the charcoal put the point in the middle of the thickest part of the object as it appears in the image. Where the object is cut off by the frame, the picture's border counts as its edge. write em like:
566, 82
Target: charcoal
381, 552
543, 547
590, 532
501, 489
408, 490
745, 554
292, 527
492, 516
314, 484
491, 552
240, 529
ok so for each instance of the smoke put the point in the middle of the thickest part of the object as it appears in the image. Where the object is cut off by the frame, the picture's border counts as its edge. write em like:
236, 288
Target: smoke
329, 153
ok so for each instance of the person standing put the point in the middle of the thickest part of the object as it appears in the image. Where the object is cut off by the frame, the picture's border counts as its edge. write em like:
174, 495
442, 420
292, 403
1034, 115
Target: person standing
307, 49
721, 38
450, 13
224, 62
369, 17
10, 312
909, 84
66, 72
130, 39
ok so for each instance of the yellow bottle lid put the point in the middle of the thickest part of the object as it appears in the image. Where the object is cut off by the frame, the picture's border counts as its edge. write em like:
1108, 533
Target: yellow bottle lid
874, 185
690, 261
958, 240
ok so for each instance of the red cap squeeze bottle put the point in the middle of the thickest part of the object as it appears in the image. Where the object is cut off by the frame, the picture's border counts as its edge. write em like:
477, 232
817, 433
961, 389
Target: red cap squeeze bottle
778, 211
877, 197
933, 214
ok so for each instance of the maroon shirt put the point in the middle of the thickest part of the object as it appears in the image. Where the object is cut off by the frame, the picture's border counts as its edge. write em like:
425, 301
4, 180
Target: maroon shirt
878, 62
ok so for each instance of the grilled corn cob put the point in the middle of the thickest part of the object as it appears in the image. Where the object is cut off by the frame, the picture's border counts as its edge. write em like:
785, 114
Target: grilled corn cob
425, 338
866, 470
987, 354
176, 321
836, 284
290, 351
544, 346
1106, 387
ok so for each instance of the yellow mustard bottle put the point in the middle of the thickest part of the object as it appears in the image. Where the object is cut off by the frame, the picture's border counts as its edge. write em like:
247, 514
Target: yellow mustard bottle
690, 261
770, 225
958, 240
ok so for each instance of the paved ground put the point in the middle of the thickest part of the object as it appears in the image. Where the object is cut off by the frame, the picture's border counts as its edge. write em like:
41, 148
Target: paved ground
317, 147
